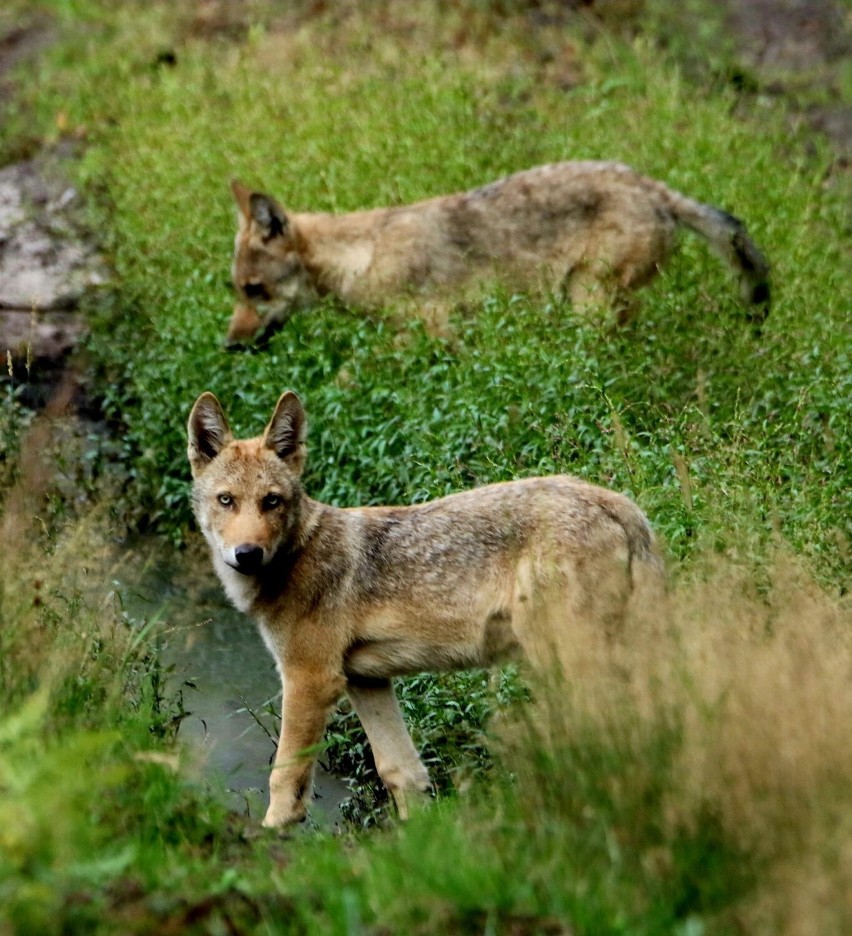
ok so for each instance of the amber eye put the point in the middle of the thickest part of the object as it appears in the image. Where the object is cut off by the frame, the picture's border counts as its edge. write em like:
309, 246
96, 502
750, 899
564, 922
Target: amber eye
226, 500
271, 501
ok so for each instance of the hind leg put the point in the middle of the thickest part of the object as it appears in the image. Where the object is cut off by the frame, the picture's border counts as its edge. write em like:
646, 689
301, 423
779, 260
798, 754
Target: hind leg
591, 290
625, 308
397, 760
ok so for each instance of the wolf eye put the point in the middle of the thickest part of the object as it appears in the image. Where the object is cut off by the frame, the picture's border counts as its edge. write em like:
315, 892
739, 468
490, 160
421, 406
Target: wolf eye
271, 501
226, 500
256, 291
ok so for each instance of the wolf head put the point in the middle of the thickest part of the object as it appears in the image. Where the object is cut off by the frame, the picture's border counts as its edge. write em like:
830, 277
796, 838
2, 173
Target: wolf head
268, 273
247, 494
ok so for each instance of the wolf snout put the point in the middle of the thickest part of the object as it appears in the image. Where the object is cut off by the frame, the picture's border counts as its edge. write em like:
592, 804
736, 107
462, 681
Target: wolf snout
248, 558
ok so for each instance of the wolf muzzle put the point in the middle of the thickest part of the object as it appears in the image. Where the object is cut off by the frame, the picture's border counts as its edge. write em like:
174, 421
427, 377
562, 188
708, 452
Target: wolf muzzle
248, 558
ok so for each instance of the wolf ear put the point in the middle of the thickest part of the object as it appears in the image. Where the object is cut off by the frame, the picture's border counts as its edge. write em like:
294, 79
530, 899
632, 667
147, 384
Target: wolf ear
286, 431
241, 197
268, 215
208, 432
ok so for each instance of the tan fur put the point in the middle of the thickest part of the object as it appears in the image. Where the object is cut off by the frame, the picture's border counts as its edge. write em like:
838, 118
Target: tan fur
598, 230
348, 598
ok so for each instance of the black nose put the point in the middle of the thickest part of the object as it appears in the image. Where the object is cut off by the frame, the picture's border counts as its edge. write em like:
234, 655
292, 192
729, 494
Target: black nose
256, 291
249, 558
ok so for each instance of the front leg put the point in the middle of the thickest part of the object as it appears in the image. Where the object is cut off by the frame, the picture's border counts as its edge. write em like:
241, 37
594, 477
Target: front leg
307, 697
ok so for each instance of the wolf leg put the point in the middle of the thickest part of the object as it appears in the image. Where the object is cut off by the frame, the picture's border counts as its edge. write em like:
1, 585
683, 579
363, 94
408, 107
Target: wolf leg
244, 326
306, 701
397, 760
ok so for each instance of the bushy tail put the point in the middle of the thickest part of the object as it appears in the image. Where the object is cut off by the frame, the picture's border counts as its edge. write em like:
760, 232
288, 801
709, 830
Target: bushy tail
647, 569
727, 237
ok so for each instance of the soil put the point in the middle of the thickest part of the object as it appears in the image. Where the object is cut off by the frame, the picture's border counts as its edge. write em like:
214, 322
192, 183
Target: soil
795, 44
790, 35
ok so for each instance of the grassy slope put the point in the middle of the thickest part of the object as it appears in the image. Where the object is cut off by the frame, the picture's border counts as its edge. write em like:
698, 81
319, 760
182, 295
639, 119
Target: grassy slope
339, 115
342, 112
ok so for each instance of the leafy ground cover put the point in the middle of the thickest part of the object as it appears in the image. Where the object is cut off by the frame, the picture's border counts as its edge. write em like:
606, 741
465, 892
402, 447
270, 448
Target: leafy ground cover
353, 110
708, 793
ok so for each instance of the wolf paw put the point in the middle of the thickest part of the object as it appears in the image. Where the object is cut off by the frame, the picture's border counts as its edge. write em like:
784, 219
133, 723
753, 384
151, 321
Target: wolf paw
278, 817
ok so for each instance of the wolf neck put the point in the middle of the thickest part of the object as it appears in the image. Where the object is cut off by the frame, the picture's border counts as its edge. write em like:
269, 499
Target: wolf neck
310, 518
338, 251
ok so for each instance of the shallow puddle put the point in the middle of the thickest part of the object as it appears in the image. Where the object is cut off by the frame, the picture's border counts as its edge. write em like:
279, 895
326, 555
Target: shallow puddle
231, 691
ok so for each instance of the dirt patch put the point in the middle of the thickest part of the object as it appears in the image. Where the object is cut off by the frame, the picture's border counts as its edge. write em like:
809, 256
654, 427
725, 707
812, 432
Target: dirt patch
791, 44
22, 40
790, 35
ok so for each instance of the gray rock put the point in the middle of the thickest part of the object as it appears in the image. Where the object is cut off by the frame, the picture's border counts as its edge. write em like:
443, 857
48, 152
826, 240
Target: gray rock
36, 335
47, 262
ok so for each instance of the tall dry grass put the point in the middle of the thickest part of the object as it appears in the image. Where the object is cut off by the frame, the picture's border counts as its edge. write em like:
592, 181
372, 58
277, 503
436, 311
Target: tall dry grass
763, 684
727, 701
61, 621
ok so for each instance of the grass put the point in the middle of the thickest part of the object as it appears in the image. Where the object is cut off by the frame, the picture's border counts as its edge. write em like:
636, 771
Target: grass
338, 114
706, 793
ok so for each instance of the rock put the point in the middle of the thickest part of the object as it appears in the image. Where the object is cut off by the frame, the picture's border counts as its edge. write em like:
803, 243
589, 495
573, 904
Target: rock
45, 260
50, 335
47, 263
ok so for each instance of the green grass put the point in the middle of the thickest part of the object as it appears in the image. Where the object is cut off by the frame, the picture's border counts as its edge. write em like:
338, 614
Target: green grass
524, 387
601, 812
733, 443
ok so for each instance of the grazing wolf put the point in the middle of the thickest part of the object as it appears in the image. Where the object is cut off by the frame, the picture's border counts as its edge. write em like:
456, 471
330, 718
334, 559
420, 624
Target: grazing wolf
349, 598
597, 230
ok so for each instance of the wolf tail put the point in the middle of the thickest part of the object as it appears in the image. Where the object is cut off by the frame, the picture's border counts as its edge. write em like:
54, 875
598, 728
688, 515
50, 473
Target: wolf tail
647, 569
728, 238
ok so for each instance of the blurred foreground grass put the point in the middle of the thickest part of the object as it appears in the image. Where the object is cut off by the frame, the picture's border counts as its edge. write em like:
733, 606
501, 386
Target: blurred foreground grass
686, 778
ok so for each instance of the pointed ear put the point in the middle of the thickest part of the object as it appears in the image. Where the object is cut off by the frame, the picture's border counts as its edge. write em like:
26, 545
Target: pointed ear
241, 197
268, 215
208, 433
286, 431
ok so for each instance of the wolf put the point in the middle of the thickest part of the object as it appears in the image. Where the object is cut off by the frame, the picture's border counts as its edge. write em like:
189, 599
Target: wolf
594, 230
347, 599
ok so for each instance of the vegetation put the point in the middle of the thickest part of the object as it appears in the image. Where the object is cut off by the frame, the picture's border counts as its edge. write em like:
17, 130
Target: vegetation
706, 791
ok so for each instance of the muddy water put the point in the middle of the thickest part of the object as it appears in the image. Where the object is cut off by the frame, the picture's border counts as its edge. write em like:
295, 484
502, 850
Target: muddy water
218, 662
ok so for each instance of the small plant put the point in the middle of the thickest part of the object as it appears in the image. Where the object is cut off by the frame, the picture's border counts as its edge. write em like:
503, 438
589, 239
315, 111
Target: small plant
14, 419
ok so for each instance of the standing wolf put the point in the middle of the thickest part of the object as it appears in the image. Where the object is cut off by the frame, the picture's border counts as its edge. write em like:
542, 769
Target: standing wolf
598, 230
348, 598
